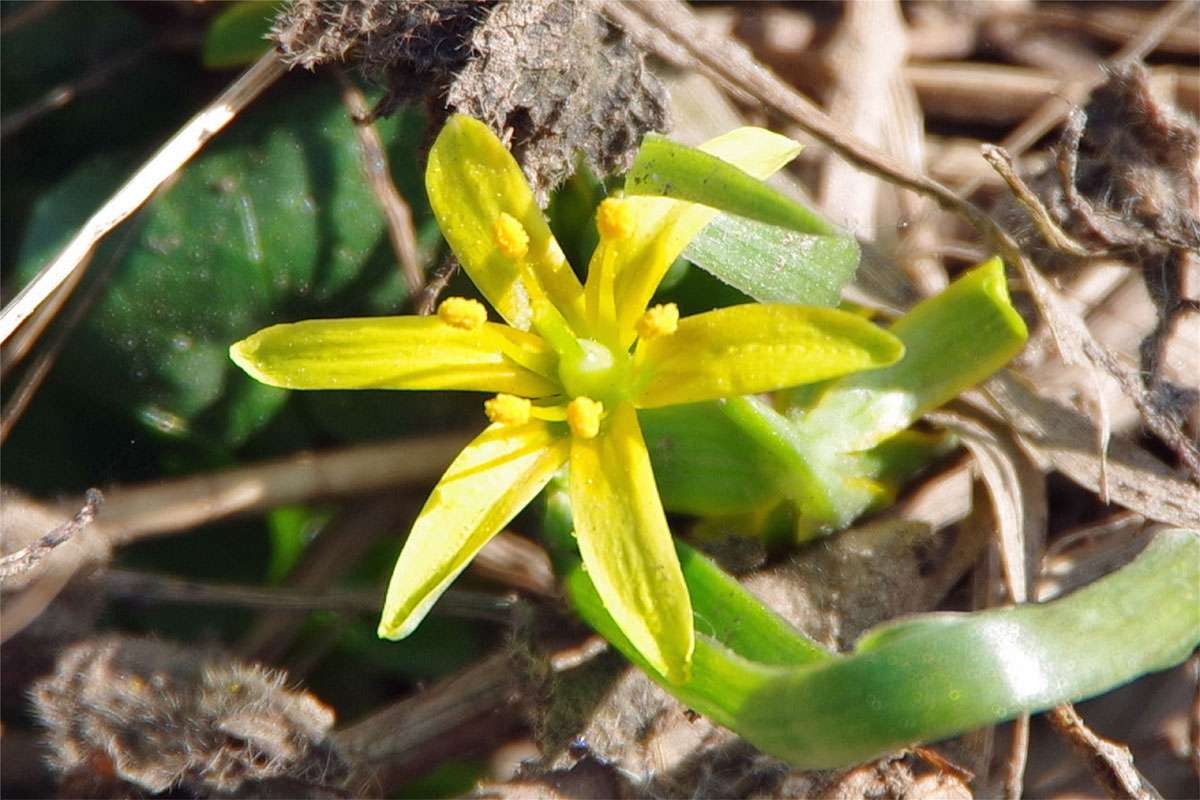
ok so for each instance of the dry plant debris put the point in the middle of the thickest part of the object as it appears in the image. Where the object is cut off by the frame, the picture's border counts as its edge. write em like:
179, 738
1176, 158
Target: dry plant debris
551, 77
154, 715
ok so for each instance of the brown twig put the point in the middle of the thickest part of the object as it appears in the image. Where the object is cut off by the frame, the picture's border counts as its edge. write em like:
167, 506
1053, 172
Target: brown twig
396, 211
165, 507
515, 561
406, 738
428, 299
61, 95
26, 15
1111, 763
169, 158
14, 351
338, 545
142, 586
23, 560
33, 378
1193, 736
1054, 235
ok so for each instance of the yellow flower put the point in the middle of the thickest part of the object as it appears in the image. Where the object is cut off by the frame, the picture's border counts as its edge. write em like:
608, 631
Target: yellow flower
569, 371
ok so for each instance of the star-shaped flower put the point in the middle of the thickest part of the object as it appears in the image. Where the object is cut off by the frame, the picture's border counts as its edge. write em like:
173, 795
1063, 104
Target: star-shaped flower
570, 370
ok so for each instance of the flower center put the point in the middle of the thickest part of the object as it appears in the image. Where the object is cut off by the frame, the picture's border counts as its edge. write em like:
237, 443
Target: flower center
595, 371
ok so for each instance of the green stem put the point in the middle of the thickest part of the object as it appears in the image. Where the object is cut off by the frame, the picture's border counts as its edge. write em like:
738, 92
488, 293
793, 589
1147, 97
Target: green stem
923, 678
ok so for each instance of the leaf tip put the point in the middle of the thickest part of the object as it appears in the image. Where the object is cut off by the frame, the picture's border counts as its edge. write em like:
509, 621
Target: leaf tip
994, 283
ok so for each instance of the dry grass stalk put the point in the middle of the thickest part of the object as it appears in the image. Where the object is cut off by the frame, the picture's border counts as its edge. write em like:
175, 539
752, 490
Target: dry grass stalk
396, 211
27, 557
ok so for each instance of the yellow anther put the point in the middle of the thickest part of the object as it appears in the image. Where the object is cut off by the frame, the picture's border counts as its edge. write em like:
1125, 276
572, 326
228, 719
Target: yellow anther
462, 312
583, 417
615, 220
660, 320
510, 236
507, 409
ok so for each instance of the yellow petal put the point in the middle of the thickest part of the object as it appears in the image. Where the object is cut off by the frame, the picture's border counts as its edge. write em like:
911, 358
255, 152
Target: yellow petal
398, 353
492, 479
488, 214
664, 227
626, 545
757, 348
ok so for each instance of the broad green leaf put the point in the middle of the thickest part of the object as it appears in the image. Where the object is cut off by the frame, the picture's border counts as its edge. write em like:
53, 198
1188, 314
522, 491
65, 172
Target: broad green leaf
397, 353
493, 478
273, 221
291, 528
705, 464
238, 35
625, 542
834, 454
472, 180
952, 341
773, 264
928, 677
664, 168
757, 348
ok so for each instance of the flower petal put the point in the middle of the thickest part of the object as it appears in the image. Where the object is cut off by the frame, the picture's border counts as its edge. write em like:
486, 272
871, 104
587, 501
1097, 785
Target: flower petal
626, 545
398, 353
493, 478
665, 226
471, 180
757, 348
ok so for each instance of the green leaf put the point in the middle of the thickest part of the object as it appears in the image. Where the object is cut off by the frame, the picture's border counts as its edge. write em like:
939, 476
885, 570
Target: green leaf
273, 222
923, 678
773, 264
952, 341
291, 528
237, 35
704, 463
833, 453
669, 169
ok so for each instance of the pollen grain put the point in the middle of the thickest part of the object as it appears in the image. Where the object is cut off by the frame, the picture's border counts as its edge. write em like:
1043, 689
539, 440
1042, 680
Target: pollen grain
660, 320
510, 235
615, 219
583, 417
462, 312
507, 409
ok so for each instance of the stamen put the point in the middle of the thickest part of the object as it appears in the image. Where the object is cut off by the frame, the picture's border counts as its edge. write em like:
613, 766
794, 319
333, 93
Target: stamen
660, 320
583, 417
510, 236
462, 312
615, 220
507, 409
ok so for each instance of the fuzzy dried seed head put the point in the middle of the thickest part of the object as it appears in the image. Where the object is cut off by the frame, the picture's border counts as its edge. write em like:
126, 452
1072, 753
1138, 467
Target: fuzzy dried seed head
163, 716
